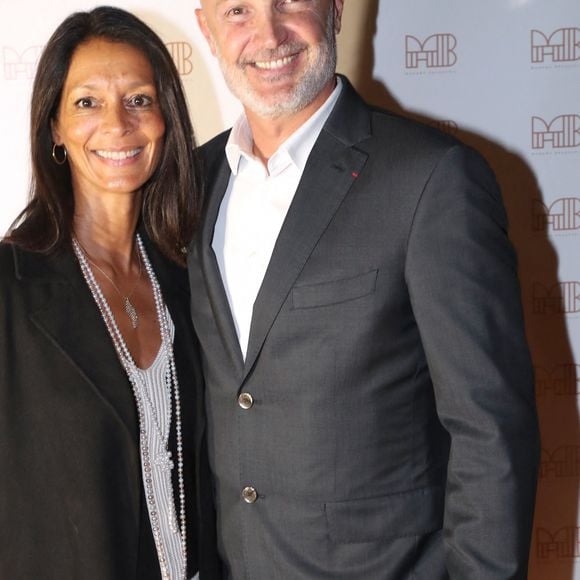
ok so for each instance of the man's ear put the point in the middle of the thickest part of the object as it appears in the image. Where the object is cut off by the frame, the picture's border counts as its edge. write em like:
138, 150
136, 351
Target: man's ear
203, 26
338, 6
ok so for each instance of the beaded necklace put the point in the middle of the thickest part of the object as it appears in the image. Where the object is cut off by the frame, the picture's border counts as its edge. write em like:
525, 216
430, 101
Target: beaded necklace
142, 397
125, 298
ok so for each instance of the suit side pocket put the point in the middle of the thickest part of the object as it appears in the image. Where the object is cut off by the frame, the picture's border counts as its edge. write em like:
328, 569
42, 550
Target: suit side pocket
411, 513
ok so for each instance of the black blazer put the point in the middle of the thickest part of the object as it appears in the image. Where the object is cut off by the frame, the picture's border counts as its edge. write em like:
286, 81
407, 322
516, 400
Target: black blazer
71, 495
393, 432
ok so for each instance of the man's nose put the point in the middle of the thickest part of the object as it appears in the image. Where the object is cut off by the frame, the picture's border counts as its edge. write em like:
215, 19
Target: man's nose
272, 31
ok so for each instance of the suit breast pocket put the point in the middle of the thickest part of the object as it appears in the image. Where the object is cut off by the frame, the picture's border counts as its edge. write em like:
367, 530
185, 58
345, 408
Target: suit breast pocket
334, 291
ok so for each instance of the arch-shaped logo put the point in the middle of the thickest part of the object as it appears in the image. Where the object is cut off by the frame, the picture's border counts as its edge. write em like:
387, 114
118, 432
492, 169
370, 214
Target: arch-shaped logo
561, 462
436, 51
560, 133
181, 52
563, 45
20, 65
562, 215
562, 298
562, 380
558, 544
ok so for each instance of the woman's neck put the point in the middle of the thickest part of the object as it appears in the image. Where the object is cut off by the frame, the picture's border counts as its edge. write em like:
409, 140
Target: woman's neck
105, 229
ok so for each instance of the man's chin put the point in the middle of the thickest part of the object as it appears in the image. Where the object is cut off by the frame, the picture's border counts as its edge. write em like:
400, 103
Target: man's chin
273, 110
275, 105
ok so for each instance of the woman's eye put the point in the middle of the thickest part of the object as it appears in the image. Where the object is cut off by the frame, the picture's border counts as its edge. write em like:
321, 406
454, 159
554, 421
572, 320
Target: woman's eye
85, 103
140, 101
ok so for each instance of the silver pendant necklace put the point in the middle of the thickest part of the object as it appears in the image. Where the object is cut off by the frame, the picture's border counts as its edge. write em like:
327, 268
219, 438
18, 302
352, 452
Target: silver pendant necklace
125, 298
139, 392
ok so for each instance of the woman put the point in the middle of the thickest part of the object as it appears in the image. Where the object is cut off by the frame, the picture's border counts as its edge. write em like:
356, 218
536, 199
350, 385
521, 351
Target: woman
98, 367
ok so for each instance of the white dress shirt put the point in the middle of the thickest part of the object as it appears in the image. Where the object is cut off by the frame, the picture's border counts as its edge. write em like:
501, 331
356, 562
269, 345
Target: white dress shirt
254, 208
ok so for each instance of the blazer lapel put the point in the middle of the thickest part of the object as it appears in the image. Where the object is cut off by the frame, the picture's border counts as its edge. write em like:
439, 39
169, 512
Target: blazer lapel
175, 289
211, 273
61, 306
333, 166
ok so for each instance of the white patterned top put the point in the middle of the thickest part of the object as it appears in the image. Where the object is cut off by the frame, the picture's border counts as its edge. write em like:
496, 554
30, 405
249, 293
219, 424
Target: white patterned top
156, 397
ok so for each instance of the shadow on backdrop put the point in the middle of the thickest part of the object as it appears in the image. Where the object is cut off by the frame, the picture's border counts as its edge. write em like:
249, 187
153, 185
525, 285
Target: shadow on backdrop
545, 307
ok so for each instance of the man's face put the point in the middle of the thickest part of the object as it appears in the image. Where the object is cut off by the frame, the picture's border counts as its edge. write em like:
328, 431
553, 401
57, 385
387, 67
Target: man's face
277, 56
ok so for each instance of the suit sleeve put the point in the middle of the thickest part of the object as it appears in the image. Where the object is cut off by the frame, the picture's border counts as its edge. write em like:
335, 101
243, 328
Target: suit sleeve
462, 277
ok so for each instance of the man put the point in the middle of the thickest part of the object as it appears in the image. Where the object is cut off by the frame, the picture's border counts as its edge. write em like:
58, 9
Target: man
369, 388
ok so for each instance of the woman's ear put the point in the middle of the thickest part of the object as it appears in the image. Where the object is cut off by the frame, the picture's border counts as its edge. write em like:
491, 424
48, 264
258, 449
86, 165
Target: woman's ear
55, 132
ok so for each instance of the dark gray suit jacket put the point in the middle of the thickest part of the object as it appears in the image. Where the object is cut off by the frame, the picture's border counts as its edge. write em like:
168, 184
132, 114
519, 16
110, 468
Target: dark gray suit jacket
71, 495
393, 433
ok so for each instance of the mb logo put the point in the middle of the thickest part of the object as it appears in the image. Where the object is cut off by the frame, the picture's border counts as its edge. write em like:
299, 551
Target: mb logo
563, 215
563, 132
563, 45
20, 65
436, 51
562, 298
561, 462
561, 380
181, 53
559, 544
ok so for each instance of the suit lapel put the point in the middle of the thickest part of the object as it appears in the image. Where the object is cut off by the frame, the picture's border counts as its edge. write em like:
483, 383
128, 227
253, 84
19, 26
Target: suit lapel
61, 306
212, 276
326, 181
333, 166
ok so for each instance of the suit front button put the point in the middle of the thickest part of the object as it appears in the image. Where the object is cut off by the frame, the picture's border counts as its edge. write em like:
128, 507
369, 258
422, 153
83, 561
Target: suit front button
245, 401
249, 494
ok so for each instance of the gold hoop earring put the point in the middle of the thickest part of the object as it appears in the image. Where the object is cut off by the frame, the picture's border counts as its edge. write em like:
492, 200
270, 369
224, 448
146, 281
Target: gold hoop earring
55, 157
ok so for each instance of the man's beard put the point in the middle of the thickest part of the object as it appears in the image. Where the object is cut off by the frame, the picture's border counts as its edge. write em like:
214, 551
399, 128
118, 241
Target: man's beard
316, 76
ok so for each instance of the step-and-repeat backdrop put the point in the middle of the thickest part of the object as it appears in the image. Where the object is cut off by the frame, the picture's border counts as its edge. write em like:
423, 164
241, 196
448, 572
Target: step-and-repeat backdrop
502, 75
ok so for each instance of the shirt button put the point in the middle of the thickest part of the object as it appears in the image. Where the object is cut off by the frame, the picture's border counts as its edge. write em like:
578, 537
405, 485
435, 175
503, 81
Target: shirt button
249, 494
245, 401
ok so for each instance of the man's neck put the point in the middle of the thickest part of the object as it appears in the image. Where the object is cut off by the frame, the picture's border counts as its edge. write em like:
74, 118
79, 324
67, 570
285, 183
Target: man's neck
269, 133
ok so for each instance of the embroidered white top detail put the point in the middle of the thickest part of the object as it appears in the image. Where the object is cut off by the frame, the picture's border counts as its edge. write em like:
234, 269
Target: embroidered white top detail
156, 394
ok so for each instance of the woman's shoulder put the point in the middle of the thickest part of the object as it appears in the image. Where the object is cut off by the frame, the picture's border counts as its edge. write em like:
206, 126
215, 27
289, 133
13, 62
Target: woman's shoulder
8, 280
15, 261
6, 258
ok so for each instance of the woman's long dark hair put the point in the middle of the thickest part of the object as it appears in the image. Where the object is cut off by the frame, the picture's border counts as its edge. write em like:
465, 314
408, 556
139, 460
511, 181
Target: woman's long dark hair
171, 198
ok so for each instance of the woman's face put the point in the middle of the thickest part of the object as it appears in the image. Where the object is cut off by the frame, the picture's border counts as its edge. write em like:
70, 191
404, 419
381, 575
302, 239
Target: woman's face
109, 119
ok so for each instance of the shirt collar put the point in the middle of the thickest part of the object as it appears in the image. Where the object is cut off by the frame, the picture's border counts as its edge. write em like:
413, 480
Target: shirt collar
295, 150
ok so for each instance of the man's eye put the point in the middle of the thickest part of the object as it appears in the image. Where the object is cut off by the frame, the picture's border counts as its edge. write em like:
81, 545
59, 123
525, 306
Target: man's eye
292, 6
235, 12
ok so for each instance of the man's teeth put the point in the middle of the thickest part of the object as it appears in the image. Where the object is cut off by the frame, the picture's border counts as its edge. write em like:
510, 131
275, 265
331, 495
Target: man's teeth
273, 64
118, 155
